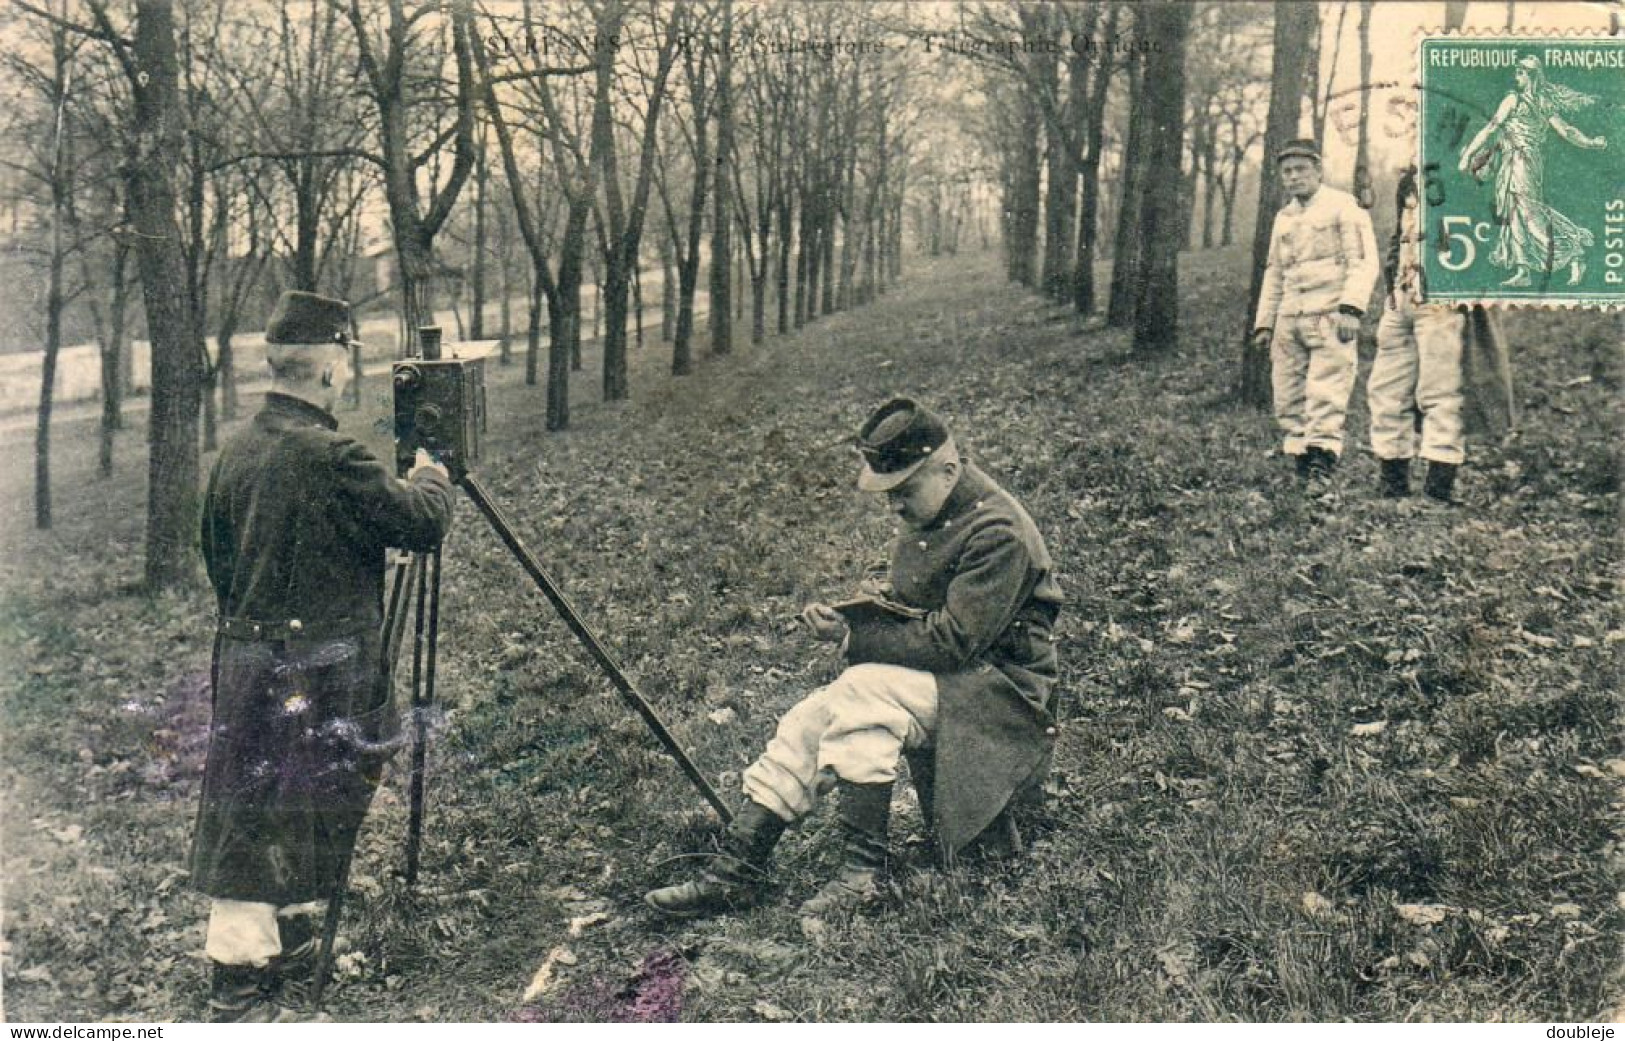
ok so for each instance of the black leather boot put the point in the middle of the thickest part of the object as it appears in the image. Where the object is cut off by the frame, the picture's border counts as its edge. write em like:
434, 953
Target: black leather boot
865, 821
1320, 463
1300, 464
735, 877
1396, 478
294, 970
242, 994
1440, 484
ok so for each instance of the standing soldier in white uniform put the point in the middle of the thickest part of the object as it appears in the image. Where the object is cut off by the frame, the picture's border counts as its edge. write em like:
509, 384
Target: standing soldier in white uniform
1318, 279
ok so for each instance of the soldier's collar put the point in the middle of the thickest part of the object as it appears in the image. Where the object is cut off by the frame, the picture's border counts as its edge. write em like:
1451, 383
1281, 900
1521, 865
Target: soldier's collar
299, 408
967, 495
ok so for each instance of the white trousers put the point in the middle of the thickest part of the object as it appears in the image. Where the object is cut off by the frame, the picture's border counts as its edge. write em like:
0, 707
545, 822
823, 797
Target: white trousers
1416, 381
245, 932
1312, 376
855, 729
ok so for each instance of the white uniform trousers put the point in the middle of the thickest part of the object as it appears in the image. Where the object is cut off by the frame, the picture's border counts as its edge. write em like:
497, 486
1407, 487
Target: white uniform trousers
854, 729
245, 932
1416, 381
1312, 376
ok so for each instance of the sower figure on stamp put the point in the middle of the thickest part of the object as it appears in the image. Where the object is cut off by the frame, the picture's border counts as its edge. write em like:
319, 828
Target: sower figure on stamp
1533, 235
295, 524
959, 679
1317, 281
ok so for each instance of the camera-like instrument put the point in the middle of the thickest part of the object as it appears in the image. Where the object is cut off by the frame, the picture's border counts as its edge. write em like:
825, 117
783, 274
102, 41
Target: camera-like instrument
439, 407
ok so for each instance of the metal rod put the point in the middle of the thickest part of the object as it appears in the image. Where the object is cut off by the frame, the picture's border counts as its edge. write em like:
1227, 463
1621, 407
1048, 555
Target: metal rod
414, 823
330, 930
600, 654
400, 594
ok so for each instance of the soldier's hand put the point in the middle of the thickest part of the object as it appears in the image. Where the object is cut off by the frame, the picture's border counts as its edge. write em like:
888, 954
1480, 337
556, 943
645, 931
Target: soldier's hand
425, 461
1348, 326
825, 622
875, 587
1261, 339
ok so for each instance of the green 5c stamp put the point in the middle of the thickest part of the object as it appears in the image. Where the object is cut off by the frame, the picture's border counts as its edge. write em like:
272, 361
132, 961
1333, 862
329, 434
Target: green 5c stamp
1523, 169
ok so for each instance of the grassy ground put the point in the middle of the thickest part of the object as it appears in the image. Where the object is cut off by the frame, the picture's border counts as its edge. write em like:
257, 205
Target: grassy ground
1322, 759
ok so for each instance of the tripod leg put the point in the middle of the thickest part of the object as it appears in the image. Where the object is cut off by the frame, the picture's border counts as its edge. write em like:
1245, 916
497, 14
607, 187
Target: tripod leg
414, 824
330, 932
400, 594
589, 639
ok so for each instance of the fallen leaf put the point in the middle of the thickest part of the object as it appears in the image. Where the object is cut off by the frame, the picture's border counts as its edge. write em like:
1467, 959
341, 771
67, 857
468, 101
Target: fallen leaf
542, 980
1317, 905
1464, 802
1422, 914
1565, 911
577, 925
772, 1013
1369, 729
722, 716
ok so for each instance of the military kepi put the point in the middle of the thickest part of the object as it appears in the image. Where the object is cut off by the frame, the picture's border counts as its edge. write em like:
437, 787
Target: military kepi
307, 318
1300, 147
896, 441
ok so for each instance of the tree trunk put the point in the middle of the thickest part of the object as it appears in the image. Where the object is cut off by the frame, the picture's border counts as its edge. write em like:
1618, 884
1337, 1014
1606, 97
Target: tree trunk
826, 262
476, 309
637, 302
1060, 194
1129, 239
722, 195
1295, 28
533, 329
783, 274
1363, 190
172, 471
505, 273
563, 329
112, 344
53, 347
668, 292
804, 261
1083, 285
688, 263
1156, 312
1022, 204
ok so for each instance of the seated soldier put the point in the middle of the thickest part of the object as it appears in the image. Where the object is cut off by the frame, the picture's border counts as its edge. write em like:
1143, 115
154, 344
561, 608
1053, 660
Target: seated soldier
959, 679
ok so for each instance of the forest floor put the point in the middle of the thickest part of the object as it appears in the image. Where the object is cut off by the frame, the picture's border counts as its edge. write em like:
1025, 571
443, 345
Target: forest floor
1323, 758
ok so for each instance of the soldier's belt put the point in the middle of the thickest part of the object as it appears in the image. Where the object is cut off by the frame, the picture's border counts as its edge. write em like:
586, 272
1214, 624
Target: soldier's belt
293, 628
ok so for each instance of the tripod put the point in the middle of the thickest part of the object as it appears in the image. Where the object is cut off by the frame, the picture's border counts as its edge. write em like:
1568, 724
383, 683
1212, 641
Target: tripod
417, 577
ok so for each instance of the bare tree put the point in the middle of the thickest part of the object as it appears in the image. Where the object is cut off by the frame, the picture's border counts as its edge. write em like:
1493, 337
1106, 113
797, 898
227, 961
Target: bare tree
1295, 28
1128, 240
557, 126
622, 220
1156, 312
400, 57
684, 238
722, 195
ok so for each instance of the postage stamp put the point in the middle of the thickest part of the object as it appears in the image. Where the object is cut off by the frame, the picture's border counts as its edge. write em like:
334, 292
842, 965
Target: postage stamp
1522, 159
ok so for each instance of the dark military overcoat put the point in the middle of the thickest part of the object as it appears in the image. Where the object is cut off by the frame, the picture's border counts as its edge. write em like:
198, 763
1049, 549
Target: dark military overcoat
296, 520
983, 575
